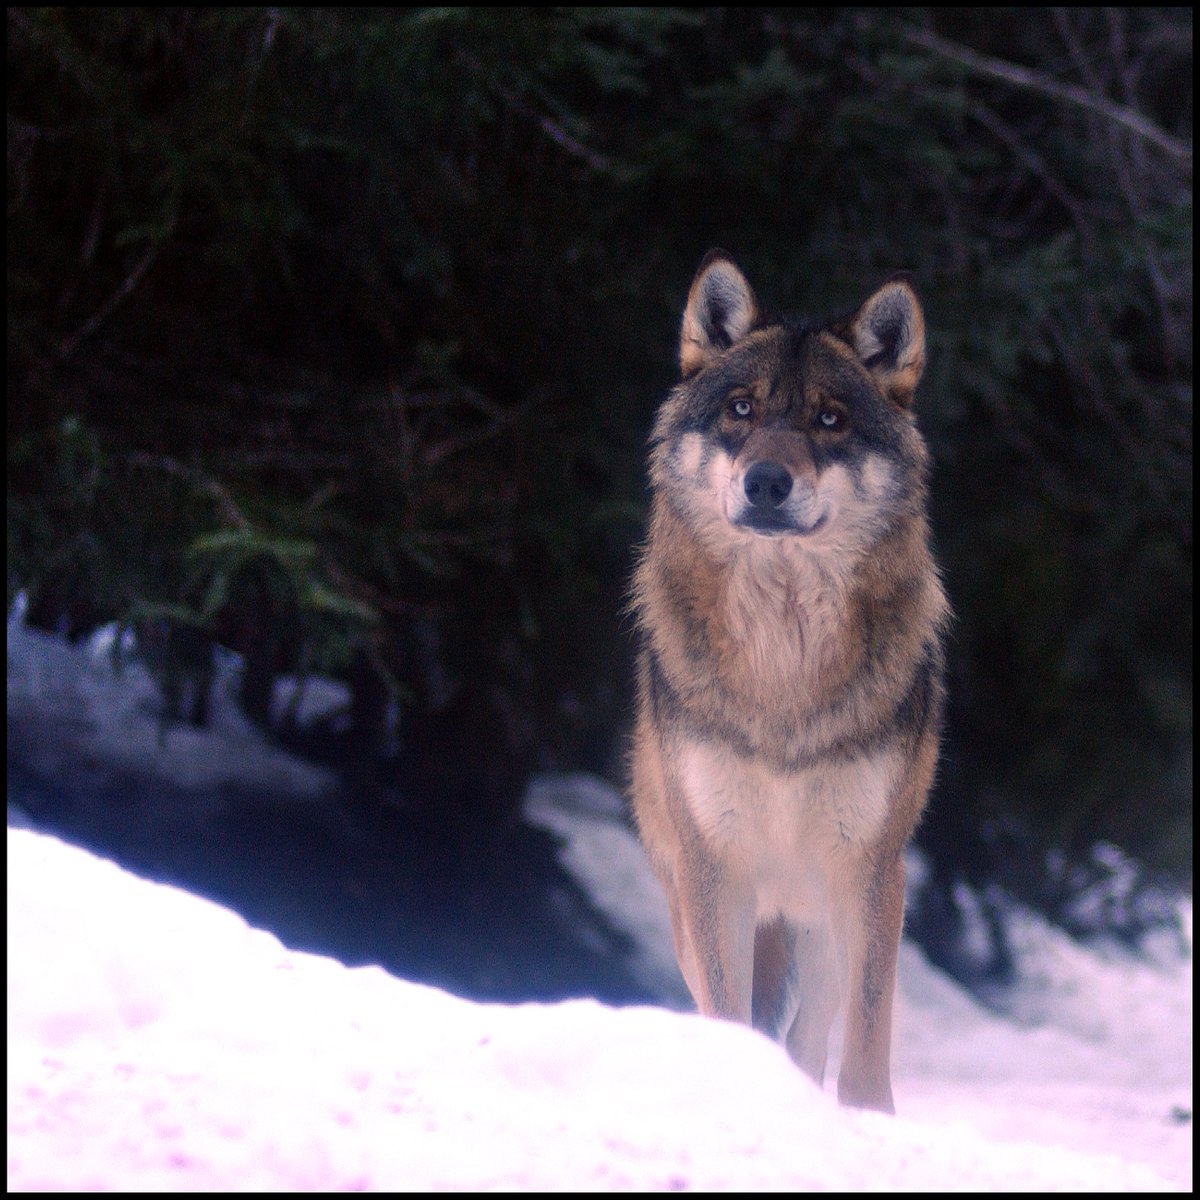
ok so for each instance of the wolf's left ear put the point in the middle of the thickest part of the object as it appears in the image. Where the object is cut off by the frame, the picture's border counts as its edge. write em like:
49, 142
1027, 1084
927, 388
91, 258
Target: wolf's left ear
721, 309
888, 334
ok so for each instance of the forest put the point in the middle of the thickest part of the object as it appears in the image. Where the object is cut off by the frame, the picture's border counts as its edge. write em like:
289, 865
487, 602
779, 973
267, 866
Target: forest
335, 337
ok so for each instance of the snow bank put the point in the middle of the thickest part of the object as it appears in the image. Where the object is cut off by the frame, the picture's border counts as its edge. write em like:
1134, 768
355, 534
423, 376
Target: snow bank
107, 719
155, 1041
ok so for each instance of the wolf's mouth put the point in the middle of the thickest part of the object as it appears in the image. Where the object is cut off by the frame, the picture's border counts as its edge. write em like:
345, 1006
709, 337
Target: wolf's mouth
773, 525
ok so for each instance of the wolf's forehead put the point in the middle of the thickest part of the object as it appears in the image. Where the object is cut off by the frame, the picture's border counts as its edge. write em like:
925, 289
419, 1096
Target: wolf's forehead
784, 357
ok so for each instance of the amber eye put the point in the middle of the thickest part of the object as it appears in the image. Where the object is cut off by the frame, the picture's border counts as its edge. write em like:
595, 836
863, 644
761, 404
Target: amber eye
741, 408
831, 418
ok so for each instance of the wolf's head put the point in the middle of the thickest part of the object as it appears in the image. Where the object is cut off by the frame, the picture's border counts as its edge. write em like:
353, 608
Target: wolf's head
792, 430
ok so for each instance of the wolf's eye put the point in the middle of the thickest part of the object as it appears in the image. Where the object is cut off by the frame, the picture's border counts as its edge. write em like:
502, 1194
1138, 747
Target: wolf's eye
741, 408
830, 418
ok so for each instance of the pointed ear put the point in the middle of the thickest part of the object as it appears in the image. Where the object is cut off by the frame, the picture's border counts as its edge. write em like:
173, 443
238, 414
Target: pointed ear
888, 334
721, 310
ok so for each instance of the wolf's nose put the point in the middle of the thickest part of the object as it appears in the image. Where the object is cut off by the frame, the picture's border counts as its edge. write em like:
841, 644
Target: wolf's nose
767, 484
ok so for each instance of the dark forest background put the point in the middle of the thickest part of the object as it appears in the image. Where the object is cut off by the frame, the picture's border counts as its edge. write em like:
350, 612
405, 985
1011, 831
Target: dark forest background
334, 336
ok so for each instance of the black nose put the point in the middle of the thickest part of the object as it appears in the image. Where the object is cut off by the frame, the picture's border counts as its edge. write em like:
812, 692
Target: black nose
767, 485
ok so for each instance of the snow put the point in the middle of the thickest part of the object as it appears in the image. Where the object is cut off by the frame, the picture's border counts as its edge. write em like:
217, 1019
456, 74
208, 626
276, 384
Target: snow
157, 1042
110, 701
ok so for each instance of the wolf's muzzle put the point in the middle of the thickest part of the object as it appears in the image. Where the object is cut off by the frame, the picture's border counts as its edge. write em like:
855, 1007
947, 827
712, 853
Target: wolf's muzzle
767, 486
774, 505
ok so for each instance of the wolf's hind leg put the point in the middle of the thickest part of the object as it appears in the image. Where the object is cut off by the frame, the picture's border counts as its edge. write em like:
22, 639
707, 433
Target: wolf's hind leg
773, 1004
816, 998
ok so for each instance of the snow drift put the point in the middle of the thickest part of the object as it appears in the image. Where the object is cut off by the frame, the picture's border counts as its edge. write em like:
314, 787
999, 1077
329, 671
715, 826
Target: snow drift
158, 1042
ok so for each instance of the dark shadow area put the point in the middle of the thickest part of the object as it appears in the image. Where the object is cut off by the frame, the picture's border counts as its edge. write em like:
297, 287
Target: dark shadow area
484, 913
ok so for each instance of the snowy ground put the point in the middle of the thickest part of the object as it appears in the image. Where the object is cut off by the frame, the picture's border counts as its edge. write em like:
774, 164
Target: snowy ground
155, 1041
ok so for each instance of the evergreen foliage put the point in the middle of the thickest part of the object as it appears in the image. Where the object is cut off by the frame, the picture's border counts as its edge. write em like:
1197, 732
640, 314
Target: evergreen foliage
335, 334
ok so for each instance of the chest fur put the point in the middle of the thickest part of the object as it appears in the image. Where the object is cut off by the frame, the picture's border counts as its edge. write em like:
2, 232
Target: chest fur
795, 836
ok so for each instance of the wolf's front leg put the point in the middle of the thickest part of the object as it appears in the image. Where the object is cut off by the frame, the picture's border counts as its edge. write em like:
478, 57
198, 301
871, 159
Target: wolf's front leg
873, 941
716, 911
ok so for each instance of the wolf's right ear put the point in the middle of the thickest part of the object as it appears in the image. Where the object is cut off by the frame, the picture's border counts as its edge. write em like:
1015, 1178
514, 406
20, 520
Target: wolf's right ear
888, 333
721, 309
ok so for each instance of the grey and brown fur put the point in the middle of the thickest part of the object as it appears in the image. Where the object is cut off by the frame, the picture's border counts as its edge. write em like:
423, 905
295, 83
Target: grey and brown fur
790, 673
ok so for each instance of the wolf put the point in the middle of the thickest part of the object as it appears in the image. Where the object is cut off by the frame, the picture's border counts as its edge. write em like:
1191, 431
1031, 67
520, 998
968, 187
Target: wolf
790, 620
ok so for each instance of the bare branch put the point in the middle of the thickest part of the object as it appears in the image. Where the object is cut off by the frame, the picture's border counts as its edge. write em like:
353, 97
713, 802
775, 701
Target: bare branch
431, 455
1034, 163
1002, 131
551, 128
70, 344
369, 595
1037, 81
226, 505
